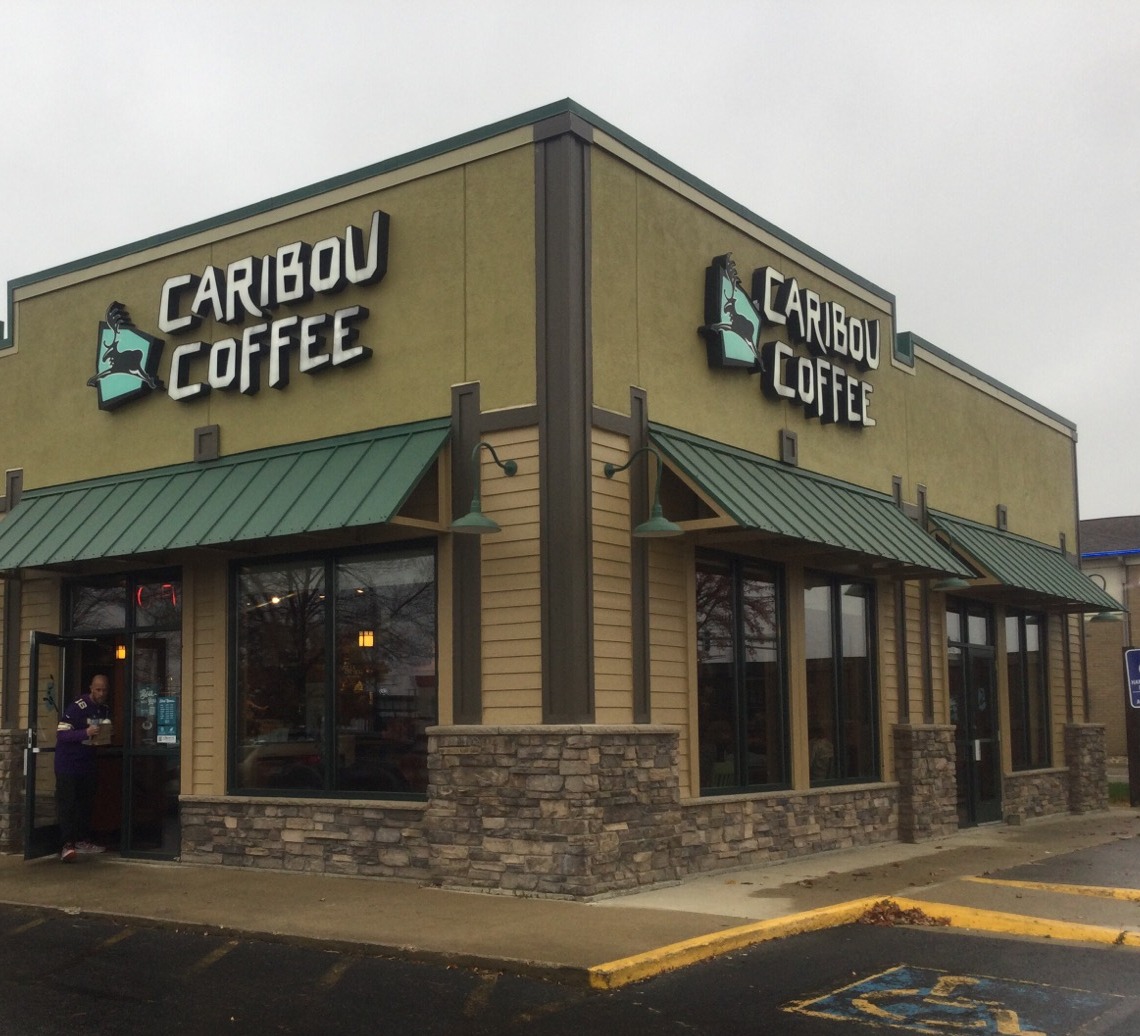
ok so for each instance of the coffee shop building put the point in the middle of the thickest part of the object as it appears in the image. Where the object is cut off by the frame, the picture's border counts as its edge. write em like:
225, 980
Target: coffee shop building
524, 515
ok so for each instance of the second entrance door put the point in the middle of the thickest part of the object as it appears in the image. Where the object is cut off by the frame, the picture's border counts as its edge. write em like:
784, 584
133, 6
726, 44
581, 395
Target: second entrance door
974, 712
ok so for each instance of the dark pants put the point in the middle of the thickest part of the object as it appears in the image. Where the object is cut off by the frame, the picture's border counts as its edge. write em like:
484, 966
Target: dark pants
75, 799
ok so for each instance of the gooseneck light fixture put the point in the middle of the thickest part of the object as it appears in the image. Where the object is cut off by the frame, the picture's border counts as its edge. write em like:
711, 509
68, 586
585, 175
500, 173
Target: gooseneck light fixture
950, 582
475, 522
1106, 615
657, 525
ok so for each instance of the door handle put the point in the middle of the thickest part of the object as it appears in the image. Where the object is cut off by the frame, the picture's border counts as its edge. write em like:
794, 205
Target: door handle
978, 750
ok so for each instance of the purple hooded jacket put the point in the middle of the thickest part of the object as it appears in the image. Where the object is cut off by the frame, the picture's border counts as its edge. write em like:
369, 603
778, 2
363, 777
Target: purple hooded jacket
74, 755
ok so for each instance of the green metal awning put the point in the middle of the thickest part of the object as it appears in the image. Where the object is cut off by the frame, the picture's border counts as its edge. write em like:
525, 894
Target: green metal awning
1018, 566
769, 497
347, 481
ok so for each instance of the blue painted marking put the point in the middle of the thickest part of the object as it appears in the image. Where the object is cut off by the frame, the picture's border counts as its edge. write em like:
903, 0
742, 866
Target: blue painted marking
924, 1000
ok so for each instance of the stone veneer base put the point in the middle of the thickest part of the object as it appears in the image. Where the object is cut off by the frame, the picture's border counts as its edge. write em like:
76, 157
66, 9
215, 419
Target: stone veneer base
586, 811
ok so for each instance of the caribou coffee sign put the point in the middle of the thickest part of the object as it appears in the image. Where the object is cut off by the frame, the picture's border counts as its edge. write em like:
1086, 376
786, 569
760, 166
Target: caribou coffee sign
813, 367
248, 294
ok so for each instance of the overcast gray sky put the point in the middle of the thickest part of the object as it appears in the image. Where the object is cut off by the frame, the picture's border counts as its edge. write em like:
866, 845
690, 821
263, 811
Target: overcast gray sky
977, 159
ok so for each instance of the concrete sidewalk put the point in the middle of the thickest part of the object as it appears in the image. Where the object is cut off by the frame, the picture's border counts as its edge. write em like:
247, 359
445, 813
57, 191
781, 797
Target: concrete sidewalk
613, 941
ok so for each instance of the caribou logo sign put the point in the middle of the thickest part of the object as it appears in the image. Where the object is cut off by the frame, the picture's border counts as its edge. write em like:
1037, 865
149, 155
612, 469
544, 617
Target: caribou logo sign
126, 360
252, 298
732, 331
817, 375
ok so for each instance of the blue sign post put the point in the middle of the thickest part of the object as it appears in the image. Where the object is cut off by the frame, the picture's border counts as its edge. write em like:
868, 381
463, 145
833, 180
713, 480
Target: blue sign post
1132, 669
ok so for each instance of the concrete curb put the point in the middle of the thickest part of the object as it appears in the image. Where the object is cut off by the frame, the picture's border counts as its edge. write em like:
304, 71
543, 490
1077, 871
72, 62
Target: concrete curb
1002, 923
617, 973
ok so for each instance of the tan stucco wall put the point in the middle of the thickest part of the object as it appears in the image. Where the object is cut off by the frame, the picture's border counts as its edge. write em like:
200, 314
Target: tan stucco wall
457, 304
972, 449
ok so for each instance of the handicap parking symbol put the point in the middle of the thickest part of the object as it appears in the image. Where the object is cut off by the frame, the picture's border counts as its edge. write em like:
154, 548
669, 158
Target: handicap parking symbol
925, 1000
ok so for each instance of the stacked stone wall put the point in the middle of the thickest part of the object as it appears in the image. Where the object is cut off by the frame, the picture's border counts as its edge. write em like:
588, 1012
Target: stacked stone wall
11, 791
1085, 758
928, 782
1034, 793
744, 830
554, 810
370, 839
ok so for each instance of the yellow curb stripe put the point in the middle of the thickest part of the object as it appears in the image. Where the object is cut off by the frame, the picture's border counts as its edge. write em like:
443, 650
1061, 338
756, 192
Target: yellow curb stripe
1022, 924
1101, 891
617, 973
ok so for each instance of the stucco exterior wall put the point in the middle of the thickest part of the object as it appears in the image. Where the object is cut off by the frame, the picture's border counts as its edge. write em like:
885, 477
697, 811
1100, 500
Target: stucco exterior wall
457, 304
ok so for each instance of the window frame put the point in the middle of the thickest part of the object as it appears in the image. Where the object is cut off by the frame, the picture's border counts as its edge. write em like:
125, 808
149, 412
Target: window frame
1021, 750
737, 568
329, 562
837, 586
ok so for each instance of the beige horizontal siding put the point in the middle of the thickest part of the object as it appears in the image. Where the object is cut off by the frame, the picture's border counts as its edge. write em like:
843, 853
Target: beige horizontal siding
511, 587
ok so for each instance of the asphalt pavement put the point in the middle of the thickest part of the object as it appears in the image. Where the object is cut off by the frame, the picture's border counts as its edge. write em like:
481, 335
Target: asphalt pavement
1072, 878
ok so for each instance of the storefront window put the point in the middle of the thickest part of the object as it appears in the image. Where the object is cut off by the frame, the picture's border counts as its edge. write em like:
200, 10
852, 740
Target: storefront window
335, 681
841, 699
98, 605
1028, 693
741, 692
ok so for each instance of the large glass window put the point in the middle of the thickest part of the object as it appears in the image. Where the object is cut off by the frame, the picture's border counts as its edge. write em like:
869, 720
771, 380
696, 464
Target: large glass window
841, 698
1028, 690
335, 682
740, 685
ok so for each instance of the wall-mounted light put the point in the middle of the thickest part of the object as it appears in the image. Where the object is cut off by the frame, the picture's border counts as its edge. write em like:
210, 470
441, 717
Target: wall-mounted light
366, 638
120, 651
657, 525
1107, 615
475, 522
950, 582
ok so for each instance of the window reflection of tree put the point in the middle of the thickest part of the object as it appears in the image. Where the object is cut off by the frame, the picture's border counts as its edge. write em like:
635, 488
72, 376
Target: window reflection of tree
281, 645
740, 722
99, 607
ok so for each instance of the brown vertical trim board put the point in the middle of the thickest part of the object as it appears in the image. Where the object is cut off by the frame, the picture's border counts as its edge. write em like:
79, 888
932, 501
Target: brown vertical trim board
639, 563
565, 395
466, 570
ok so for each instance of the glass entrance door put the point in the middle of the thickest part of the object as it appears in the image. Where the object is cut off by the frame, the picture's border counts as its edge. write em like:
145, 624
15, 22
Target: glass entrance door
973, 711
46, 673
129, 628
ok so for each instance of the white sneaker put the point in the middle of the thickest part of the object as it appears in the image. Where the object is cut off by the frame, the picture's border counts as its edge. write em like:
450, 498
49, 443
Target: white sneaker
87, 848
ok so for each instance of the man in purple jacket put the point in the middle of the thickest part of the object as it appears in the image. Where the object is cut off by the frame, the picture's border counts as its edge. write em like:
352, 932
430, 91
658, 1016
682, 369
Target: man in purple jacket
75, 775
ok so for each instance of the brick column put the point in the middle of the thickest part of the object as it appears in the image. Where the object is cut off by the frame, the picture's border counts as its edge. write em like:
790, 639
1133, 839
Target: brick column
11, 791
928, 788
555, 810
1085, 758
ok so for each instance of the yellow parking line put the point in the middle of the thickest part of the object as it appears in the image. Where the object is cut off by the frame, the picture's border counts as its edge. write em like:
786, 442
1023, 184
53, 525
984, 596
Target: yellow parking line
118, 937
211, 958
336, 972
26, 927
1102, 891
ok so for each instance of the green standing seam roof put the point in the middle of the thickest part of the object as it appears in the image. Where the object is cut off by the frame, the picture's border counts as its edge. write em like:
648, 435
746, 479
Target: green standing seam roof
1024, 563
351, 480
758, 493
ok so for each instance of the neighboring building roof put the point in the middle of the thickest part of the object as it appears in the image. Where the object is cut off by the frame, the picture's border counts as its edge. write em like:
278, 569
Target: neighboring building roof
1102, 537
